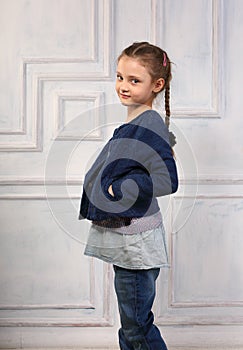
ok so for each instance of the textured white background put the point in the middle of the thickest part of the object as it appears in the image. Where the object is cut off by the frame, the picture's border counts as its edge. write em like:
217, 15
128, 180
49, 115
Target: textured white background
57, 71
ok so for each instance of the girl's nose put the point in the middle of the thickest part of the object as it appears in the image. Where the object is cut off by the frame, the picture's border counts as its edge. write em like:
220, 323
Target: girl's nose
123, 87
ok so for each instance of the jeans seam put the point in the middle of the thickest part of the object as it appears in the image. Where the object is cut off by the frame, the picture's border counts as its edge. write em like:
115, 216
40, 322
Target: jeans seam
136, 300
137, 312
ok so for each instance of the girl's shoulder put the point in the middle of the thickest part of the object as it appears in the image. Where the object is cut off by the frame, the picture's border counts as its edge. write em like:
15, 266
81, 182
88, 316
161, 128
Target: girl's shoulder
149, 118
153, 122
147, 125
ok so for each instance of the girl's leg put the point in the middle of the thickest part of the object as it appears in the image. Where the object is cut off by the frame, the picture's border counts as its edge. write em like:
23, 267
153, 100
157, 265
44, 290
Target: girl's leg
135, 290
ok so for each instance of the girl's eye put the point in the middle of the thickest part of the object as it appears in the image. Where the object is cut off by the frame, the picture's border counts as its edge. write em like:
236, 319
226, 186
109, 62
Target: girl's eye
135, 81
119, 77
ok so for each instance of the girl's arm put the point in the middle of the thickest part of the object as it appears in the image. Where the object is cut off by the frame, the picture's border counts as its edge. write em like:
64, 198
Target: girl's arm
153, 173
160, 180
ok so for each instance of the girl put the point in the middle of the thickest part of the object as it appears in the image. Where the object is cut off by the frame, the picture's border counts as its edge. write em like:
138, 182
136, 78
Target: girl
120, 191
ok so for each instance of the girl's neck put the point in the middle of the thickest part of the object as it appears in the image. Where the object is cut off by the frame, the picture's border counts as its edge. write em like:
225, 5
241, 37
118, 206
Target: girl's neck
134, 111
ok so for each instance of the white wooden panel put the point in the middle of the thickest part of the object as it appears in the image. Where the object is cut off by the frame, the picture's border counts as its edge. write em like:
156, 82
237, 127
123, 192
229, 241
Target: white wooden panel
134, 22
207, 255
204, 282
45, 279
194, 41
78, 115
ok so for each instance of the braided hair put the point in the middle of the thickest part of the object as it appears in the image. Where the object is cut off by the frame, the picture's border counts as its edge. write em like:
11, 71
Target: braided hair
159, 66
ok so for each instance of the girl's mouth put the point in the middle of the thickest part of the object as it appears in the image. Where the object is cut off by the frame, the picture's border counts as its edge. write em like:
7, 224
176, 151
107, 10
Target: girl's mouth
124, 96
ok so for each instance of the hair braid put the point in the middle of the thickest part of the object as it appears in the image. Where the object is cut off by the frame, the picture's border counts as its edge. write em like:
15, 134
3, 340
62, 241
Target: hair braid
172, 137
167, 106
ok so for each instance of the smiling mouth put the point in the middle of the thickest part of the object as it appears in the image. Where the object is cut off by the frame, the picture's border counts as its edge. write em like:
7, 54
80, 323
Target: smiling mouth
124, 96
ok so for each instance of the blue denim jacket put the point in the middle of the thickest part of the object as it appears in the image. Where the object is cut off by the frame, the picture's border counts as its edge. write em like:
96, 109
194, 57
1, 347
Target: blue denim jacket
138, 162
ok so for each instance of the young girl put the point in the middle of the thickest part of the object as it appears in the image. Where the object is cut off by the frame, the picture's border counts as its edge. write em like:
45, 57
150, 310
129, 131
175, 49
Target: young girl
120, 191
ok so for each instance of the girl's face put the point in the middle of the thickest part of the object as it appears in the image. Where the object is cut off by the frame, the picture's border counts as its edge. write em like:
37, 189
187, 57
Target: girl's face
134, 84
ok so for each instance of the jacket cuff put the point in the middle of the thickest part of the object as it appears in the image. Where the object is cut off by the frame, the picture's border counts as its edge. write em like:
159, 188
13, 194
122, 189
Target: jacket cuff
114, 188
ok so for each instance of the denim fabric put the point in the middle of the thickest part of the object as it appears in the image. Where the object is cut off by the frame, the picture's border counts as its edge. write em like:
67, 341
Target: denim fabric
140, 251
135, 290
138, 162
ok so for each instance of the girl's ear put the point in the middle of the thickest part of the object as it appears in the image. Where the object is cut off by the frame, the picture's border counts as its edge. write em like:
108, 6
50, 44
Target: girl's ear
158, 85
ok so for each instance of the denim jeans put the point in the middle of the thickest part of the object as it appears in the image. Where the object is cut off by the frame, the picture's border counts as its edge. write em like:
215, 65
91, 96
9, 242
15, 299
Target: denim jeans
135, 290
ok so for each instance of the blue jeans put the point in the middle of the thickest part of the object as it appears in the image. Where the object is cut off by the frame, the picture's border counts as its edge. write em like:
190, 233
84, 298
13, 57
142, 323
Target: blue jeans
135, 290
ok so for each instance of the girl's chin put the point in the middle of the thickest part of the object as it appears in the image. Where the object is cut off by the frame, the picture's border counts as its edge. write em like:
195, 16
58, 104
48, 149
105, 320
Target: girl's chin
131, 105
126, 103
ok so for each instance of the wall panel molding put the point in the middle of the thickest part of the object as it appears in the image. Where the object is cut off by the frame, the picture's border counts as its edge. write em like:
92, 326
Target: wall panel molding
10, 315
204, 184
215, 310
35, 70
216, 109
34, 188
94, 97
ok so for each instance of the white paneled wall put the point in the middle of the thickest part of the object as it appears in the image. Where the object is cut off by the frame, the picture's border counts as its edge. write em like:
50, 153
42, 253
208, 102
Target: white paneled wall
57, 108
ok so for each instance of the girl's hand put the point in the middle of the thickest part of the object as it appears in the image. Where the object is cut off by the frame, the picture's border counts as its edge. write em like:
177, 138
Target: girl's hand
110, 190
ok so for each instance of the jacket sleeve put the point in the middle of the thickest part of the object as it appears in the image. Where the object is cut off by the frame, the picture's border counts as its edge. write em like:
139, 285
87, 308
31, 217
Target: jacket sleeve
134, 182
161, 162
163, 171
